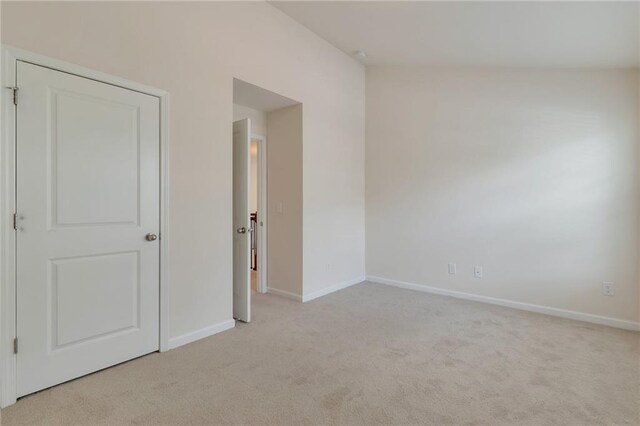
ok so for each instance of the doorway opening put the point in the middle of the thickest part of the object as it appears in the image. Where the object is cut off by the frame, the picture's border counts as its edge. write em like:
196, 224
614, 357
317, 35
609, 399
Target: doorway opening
258, 212
267, 213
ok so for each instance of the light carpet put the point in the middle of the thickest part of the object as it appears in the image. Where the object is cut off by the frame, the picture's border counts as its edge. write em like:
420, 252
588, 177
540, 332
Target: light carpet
367, 355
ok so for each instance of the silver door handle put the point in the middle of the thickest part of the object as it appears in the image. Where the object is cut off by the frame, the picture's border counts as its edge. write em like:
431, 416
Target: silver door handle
242, 230
151, 237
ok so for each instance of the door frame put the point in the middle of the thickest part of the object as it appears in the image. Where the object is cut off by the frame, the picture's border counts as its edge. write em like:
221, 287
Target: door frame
262, 207
9, 59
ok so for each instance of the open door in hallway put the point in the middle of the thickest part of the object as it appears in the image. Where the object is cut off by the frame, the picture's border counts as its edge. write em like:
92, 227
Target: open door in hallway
242, 227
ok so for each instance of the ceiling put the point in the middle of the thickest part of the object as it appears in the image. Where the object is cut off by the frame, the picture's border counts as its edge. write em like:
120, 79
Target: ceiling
476, 33
256, 97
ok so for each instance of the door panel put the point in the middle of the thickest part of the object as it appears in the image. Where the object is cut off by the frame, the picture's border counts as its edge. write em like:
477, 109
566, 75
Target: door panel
86, 189
241, 240
87, 194
108, 287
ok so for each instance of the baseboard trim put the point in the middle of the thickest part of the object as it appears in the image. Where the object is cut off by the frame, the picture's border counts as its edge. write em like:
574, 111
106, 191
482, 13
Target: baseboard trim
310, 296
547, 310
184, 339
285, 294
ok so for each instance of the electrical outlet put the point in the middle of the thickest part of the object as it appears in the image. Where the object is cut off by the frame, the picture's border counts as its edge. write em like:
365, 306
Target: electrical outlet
477, 271
452, 269
608, 289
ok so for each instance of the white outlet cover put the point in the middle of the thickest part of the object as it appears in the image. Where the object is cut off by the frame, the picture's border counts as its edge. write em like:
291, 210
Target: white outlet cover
608, 289
477, 271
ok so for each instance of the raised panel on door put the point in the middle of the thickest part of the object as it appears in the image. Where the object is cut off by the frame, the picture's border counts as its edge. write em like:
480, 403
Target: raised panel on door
87, 195
108, 286
89, 189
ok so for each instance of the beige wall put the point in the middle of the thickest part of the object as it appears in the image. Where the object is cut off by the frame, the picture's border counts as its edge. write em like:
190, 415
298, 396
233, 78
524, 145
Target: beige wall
532, 174
284, 202
194, 50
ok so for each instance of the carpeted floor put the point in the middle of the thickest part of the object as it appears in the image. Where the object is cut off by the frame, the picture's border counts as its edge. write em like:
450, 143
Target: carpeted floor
367, 355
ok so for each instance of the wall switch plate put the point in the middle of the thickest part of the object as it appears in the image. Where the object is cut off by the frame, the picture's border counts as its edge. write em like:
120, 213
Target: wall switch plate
608, 289
477, 271
452, 269
279, 207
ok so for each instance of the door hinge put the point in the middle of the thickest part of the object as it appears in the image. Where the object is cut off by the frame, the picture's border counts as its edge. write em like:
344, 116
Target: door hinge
15, 221
15, 345
15, 94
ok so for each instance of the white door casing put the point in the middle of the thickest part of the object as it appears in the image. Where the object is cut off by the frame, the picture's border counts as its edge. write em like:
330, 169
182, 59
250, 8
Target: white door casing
241, 226
88, 193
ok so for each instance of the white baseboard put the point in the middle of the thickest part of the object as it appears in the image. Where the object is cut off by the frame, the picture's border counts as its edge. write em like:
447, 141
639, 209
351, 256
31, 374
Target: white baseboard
594, 319
310, 296
285, 294
175, 342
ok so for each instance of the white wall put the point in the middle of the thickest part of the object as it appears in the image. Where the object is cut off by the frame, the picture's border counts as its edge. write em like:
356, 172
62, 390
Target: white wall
334, 186
532, 174
194, 50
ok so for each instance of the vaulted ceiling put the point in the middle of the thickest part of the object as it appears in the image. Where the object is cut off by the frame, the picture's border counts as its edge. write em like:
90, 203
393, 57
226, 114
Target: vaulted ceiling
478, 33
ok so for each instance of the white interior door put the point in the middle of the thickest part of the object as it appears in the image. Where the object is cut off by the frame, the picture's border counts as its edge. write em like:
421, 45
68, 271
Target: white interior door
241, 226
88, 217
